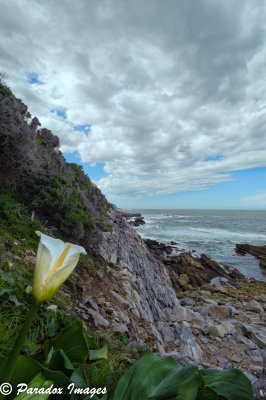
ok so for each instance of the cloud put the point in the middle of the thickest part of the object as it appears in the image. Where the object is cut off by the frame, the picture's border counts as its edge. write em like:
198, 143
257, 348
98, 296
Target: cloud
162, 85
257, 199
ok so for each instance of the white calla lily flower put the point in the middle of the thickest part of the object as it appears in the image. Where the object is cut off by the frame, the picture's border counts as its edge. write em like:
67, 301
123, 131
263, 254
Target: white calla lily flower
55, 262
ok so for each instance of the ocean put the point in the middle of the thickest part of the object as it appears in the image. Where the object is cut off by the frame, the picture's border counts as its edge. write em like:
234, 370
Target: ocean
213, 232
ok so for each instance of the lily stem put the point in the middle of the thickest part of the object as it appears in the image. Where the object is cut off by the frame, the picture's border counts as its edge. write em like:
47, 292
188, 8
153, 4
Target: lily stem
17, 347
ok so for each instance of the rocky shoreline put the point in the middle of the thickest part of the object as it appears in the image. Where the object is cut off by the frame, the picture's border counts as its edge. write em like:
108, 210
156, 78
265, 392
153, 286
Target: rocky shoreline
133, 219
224, 311
184, 306
257, 251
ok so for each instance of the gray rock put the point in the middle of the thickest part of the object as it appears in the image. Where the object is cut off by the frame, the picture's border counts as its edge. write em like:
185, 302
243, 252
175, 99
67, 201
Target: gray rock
167, 332
184, 314
92, 303
224, 363
203, 310
120, 328
256, 334
221, 330
123, 317
137, 345
261, 297
99, 274
218, 282
253, 305
119, 298
101, 301
219, 312
98, 319
187, 301
187, 342
157, 334
205, 327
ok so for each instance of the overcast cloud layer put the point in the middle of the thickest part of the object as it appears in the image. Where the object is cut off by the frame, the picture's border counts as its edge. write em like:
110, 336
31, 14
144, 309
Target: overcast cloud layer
174, 90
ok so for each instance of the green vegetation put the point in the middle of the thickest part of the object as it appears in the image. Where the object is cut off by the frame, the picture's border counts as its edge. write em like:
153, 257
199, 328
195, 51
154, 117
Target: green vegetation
158, 378
16, 222
34, 172
40, 345
5, 90
52, 198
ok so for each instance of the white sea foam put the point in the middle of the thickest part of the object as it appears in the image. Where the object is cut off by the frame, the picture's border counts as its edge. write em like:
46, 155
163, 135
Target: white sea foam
214, 233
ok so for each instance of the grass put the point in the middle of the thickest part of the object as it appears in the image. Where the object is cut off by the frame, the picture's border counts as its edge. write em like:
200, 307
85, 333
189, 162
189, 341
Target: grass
107, 372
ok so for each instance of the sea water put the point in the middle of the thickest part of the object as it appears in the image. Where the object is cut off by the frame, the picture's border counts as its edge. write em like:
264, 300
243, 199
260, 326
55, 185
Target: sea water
212, 232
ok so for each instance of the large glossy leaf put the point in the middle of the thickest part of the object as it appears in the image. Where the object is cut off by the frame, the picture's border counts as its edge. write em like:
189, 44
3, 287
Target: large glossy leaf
100, 353
73, 342
60, 362
26, 368
156, 378
39, 381
229, 384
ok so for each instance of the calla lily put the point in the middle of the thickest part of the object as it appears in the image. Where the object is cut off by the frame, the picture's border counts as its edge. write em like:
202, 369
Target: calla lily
55, 262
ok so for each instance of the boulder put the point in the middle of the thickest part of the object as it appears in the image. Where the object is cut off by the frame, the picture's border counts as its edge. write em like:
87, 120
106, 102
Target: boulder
221, 330
98, 319
253, 305
219, 312
183, 280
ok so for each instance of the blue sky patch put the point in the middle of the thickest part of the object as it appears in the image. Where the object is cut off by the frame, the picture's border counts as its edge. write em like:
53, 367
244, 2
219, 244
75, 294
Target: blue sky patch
84, 128
33, 78
228, 195
60, 112
94, 173
218, 156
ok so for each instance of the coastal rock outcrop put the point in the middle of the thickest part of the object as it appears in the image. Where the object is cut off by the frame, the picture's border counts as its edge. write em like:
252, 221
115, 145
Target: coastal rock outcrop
257, 251
219, 325
133, 219
186, 269
145, 285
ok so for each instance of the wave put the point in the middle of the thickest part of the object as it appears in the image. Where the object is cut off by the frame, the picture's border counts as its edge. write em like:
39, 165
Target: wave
226, 233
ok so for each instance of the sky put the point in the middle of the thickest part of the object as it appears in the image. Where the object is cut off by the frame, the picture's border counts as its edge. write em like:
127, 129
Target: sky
162, 102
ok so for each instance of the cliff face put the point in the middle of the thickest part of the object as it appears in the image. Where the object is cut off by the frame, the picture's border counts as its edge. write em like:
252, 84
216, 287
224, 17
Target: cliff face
146, 287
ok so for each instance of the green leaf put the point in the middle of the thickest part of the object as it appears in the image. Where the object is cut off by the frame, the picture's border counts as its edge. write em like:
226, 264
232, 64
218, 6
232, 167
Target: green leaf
39, 381
11, 294
91, 343
98, 354
7, 277
78, 379
59, 361
156, 378
72, 342
26, 368
229, 384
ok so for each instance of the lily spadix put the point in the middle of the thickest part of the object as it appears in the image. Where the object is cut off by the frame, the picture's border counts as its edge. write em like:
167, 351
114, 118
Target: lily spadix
55, 262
